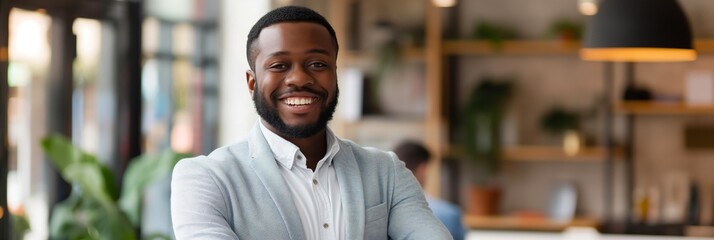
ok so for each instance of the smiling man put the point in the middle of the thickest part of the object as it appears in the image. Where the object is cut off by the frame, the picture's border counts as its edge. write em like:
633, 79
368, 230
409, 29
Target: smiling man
293, 178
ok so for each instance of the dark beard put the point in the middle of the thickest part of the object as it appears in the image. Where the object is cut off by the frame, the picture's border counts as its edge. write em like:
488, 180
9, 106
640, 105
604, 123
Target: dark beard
271, 116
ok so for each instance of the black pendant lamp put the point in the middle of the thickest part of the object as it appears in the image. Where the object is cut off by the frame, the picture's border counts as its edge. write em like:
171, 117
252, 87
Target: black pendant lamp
638, 31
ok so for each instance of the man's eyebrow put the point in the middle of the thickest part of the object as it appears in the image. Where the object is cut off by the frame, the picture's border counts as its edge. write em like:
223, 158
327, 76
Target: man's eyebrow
278, 53
285, 53
319, 50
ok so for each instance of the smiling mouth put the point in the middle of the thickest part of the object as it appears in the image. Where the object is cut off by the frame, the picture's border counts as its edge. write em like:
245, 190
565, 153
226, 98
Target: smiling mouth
299, 101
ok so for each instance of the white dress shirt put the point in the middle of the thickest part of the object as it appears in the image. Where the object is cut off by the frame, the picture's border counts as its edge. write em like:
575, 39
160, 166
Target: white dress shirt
316, 193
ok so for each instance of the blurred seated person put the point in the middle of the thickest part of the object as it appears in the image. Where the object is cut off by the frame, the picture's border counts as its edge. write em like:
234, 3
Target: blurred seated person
416, 157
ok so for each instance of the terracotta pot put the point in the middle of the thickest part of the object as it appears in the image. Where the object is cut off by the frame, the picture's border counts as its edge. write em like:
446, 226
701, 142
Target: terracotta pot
484, 201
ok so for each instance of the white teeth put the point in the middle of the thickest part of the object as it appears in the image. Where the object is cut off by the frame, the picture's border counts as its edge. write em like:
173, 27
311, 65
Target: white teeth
299, 101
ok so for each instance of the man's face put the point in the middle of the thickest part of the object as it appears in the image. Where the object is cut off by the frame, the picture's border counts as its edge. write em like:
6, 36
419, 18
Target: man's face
294, 85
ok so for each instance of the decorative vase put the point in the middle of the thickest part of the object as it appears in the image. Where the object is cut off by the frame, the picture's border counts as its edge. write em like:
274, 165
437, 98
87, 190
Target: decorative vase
571, 142
484, 200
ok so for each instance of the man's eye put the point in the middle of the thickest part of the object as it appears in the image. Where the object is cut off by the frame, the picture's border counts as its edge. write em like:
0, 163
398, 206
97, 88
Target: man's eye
278, 66
318, 65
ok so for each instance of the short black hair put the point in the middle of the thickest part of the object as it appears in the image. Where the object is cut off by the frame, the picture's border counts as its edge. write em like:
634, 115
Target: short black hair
412, 153
285, 14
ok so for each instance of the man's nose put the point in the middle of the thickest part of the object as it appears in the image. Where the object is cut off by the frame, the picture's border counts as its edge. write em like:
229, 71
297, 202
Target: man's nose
299, 77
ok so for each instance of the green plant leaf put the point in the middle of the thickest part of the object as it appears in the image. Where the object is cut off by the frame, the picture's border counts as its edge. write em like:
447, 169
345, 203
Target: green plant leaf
566, 29
96, 212
65, 223
496, 34
481, 124
20, 226
116, 225
63, 153
558, 120
141, 172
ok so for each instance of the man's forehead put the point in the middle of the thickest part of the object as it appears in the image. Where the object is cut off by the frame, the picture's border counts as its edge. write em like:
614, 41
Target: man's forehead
293, 32
291, 25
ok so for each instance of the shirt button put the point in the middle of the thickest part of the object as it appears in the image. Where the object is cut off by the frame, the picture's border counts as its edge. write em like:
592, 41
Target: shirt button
325, 225
299, 157
314, 181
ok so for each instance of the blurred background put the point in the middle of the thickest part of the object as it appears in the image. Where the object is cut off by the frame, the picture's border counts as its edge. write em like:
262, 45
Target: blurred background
526, 137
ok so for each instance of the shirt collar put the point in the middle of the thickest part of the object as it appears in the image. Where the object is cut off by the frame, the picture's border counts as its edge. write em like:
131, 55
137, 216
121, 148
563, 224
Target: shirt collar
286, 153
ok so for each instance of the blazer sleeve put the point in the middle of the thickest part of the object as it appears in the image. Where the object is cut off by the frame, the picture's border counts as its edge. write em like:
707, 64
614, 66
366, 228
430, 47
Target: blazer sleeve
410, 216
198, 209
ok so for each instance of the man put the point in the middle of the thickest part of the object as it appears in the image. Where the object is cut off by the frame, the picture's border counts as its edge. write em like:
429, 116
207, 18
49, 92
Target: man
293, 179
416, 157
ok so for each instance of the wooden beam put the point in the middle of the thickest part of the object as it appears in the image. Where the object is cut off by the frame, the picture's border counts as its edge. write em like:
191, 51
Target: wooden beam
434, 136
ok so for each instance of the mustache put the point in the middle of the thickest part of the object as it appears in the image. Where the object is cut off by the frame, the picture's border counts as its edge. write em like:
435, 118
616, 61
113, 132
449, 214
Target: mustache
290, 90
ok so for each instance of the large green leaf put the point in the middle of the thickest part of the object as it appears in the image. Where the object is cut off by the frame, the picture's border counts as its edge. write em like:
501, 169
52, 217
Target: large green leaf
114, 224
109, 221
92, 211
141, 172
96, 211
63, 154
64, 222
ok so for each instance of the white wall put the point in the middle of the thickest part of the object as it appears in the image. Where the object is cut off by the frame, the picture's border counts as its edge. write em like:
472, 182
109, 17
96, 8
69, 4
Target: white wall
237, 112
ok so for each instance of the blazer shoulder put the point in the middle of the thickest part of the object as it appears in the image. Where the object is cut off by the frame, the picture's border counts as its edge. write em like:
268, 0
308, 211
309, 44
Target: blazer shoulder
221, 159
371, 155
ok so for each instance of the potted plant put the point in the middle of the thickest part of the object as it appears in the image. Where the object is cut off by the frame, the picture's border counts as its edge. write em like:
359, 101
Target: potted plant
559, 121
493, 33
482, 119
95, 209
566, 30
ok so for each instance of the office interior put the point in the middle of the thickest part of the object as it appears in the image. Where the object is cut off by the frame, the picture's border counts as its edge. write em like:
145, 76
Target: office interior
530, 139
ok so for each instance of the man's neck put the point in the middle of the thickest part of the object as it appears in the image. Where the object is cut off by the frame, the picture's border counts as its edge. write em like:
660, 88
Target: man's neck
314, 147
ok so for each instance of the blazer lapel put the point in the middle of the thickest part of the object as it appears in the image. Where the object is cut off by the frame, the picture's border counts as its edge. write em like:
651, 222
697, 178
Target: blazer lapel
351, 191
263, 162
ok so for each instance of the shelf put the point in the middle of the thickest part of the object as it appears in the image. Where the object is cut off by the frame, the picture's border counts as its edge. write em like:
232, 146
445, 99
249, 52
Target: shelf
704, 45
536, 47
699, 231
662, 108
556, 154
525, 223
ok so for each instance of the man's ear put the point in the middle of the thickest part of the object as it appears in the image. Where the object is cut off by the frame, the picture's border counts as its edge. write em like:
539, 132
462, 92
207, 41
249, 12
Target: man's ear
250, 80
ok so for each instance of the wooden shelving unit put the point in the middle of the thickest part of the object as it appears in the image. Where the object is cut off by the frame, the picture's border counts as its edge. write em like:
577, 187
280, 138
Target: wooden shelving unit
525, 223
434, 55
663, 108
556, 154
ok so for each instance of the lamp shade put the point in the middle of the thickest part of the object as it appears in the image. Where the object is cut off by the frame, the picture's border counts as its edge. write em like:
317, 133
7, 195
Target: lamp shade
638, 31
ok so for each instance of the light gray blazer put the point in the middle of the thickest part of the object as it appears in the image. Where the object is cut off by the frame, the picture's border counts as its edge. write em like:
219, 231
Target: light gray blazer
237, 192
